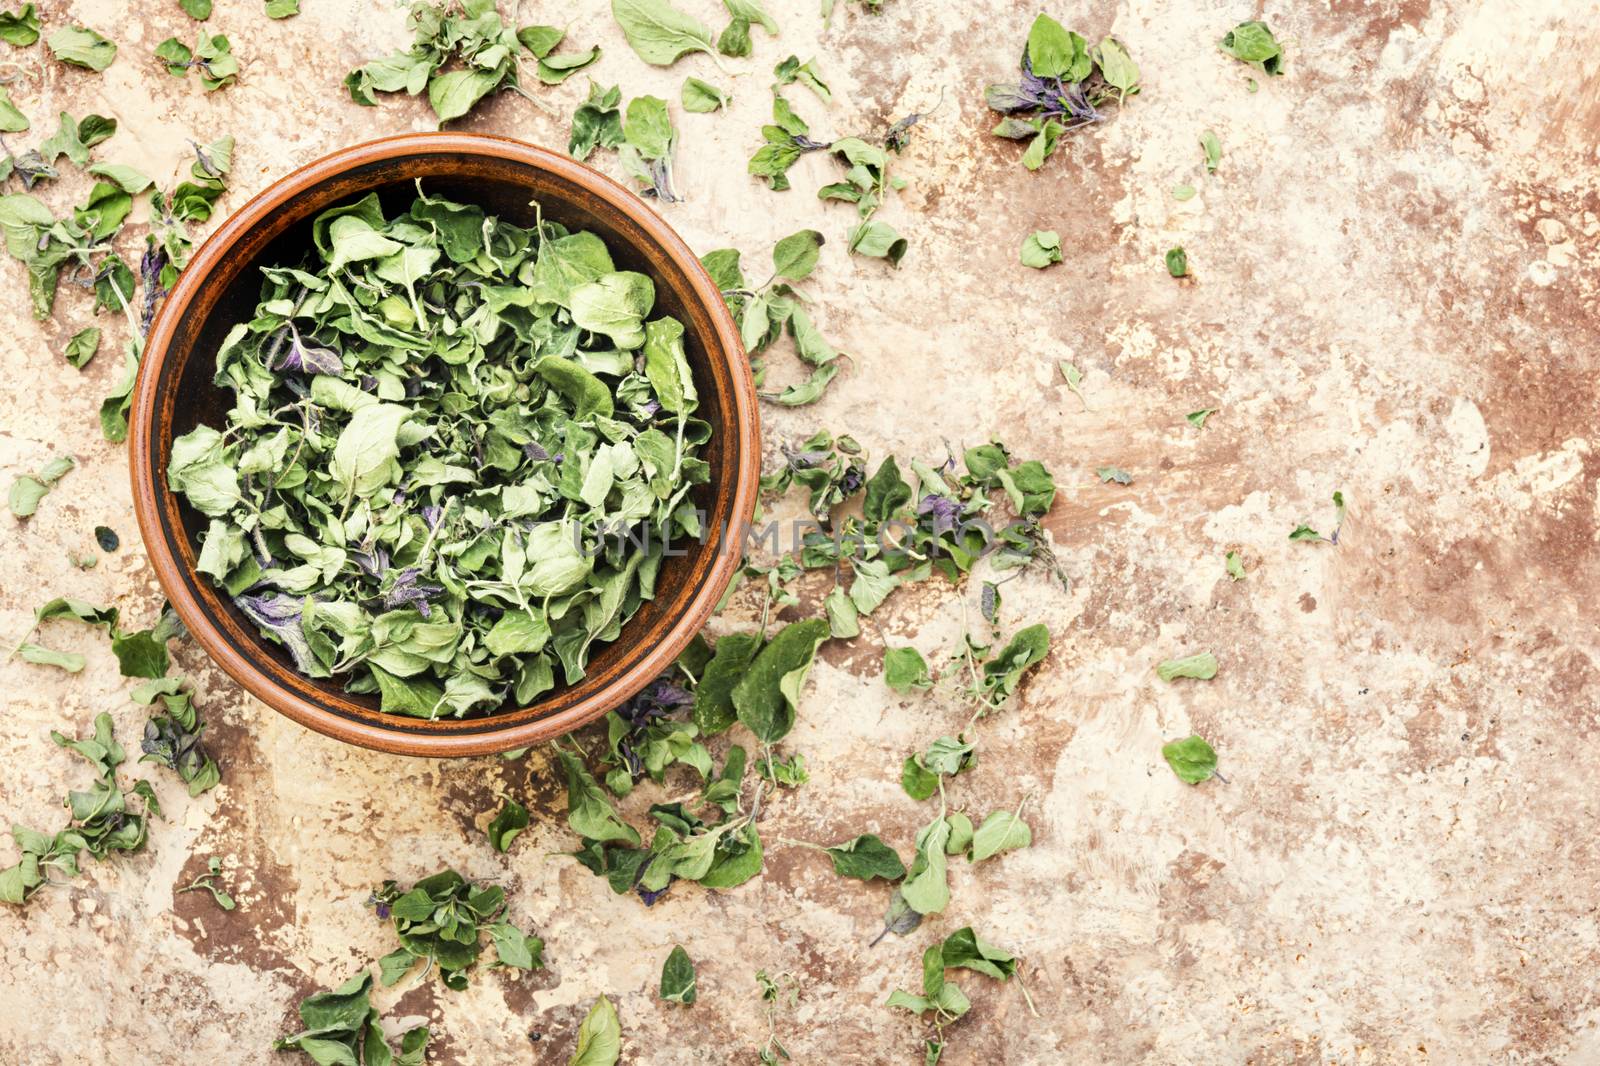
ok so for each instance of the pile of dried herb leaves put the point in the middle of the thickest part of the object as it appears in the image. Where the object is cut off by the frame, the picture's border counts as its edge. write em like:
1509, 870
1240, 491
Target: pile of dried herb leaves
458, 450
1065, 83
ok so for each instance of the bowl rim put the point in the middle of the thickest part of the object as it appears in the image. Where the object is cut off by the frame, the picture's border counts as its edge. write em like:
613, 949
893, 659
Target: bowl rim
147, 489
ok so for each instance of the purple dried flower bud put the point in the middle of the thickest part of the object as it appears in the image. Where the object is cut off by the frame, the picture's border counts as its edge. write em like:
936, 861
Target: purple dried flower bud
280, 616
150, 267
406, 592
804, 460
373, 563
942, 511
308, 358
672, 694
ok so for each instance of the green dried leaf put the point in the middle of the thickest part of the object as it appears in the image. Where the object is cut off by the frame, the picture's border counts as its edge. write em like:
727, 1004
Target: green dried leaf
713, 697
1235, 565
677, 977
1041, 248
1074, 379
589, 812
507, 825
29, 489
553, 70
658, 32
1056, 52
878, 240
1002, 674
925, 889
766, 699
905, 671
69, 661
702, 97
735, 40
515, 949
599, 1037
795, 256
82, 47
1253, 43
1202, 666
1001, 831
19, 28
1118, 69
126, 178
615, 305
1192, 759
1177, 262
960, 841
342, 1029
597, 123
866, 857
792, 70
540, 40
788, 774
964, 949
844, 621
11, 119
917, 781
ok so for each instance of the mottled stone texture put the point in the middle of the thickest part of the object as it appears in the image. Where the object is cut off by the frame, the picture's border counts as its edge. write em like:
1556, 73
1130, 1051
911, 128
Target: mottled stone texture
1394, 294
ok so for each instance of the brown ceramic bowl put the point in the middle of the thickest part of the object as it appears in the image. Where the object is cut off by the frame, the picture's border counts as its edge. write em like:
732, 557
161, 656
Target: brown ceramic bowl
221, 287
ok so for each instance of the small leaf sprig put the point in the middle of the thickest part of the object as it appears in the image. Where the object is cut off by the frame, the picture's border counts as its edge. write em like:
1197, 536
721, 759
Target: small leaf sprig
440, 919
644, 137
102, 820
779, 995
208, 882
1064, 85
342, 1026
766, 311
962, 949
1304, 532
211, 55
940, 521
745, 679
866, 181
461, 52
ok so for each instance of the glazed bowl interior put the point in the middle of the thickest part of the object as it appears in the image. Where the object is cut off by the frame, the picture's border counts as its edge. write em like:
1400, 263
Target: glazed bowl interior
221, 287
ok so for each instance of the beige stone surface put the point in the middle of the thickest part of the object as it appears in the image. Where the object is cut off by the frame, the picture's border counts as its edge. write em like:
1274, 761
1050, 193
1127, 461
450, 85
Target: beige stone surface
1396, 272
